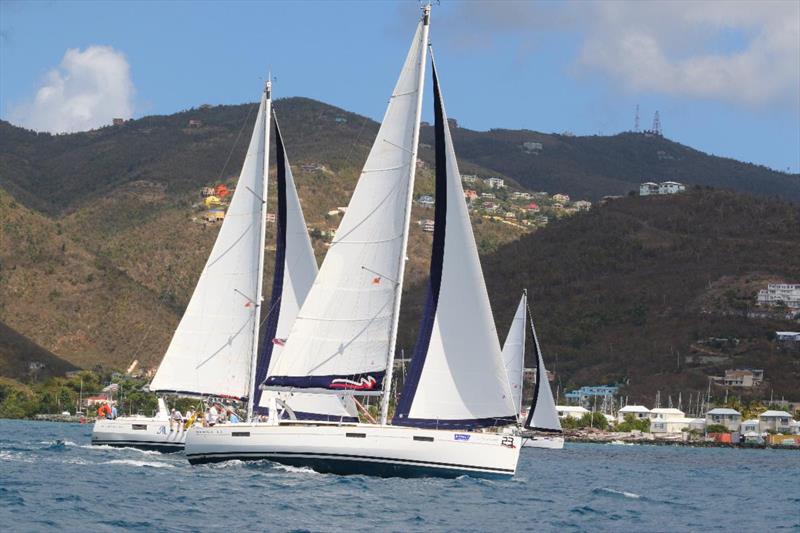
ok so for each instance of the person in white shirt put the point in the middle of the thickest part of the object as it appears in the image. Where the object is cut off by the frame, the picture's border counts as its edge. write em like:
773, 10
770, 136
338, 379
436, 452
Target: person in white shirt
176, 419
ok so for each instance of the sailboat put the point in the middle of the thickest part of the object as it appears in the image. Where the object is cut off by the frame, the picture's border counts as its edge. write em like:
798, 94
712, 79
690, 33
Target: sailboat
456, 412
214, 350
542, 418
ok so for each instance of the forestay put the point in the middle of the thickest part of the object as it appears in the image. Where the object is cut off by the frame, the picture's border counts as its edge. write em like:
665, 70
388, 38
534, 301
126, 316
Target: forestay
514, 353
211, 351
457, 378
295, 270
341, 338
542, 415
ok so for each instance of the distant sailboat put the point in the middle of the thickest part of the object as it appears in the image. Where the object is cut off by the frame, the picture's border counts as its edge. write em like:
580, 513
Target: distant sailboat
343, 339
542, 418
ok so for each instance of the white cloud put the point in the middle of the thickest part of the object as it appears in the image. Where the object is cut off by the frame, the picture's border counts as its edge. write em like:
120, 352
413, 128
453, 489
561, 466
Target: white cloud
87, 90
741, 51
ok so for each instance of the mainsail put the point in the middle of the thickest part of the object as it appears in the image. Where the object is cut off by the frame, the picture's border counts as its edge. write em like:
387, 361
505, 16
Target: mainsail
457, 378
211, 352
514, 352
343, 336
295, 270
542, 415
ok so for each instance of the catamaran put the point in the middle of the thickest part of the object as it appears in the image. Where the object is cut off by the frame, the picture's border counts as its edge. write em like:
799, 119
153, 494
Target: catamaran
542, 418
214, 350
456, 413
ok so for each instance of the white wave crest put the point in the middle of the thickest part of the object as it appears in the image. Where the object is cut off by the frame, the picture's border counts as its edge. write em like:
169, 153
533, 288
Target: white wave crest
133, 462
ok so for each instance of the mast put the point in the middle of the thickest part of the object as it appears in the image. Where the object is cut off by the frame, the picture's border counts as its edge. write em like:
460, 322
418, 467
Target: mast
387, 382
262, 237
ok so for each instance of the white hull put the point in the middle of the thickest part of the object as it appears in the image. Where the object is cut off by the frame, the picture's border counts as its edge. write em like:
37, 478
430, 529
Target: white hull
387, 451
145, 433
544, 441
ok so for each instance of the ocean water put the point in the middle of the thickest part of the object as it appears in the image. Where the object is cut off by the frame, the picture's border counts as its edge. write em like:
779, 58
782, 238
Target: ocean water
51, 479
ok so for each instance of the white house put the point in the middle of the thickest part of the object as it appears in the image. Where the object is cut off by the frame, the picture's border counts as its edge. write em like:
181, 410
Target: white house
750, 426
788, 336
730, 418
495, 183
668, 420
583, 205
648, 188
781, 293
670, 187
638, 412
571, 411
777, 421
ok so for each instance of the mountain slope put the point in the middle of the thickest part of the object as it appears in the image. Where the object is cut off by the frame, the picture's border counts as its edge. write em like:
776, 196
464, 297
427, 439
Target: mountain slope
22, 359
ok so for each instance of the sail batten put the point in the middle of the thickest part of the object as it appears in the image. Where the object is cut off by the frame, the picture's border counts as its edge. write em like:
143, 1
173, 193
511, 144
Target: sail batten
341, 337
211, 351
457, 378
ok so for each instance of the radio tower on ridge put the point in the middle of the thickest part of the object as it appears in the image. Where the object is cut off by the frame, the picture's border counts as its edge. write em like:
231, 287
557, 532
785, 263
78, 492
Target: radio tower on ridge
636, 122
657, 125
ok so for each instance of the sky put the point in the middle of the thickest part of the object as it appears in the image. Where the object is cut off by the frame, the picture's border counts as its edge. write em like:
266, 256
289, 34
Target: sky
724, 76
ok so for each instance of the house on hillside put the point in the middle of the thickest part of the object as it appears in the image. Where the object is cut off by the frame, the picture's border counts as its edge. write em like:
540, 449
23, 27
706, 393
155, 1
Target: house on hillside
427, 225
746, 377
214, 215
670, 187
468, 178
118, 121
787, 336
637, 411
583, 205
195, 123
532, 147
426, 201
561, 198
787, 294
648, 188
489, 195
205, 192
730, 418
211, 201
517, 195
495, 183
470, 194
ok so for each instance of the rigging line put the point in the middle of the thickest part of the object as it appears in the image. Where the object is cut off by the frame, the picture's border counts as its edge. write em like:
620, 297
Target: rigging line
236, 142
358, 137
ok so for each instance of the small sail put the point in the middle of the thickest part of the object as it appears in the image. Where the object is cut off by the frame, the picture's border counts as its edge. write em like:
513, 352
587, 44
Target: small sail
342, 336
514, 353
211, 352
295, 270
543, 415
457, 378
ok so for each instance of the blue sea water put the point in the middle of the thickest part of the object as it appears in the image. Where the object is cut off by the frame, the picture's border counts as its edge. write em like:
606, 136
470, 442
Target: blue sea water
51, 479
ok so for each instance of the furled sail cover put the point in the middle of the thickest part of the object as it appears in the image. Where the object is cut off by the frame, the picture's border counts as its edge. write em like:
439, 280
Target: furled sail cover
543, 415
457, 378
340, 340
295, 270
514, 353
211, 351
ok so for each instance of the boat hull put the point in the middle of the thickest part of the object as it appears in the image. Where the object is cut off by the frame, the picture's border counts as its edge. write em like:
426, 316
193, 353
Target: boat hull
385, 451
138, 432
551, 442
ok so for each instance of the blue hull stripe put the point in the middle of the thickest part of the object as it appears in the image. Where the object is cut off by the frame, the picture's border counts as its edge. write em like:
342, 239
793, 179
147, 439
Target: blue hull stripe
368, 382
469, 423
343, 464
162, 447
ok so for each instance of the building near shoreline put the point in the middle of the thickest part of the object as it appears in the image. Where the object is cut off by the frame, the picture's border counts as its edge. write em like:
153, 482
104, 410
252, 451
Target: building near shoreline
668, 420
730, 418
777, 421
639, 412
571, 411
586, 395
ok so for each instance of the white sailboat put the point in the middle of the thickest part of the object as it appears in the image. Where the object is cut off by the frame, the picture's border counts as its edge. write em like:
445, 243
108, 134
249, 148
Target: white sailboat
343, 339
542, 419
214, 351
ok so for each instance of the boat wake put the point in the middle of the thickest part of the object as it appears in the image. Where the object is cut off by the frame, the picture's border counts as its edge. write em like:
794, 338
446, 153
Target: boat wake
132, 462
618, 493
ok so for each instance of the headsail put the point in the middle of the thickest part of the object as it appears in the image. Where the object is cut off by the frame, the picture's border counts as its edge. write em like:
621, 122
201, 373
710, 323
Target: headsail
514, 352
211, 352
295, 270
542, 415
343, 333
457, 378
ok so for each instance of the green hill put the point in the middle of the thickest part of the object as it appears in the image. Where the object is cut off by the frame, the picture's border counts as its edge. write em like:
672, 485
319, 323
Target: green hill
22, 359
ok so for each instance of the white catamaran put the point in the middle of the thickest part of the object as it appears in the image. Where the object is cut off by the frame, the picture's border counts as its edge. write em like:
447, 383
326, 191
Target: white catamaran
542, 418
456, 413
214, 351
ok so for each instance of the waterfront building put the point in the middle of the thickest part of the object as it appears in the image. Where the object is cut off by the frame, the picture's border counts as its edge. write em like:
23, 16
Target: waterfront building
638, 412
668, 420
571, 411
750, 426
730, 418
777, 421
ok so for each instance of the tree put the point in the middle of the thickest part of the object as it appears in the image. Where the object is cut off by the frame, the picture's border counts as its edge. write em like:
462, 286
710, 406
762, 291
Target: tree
716, 428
